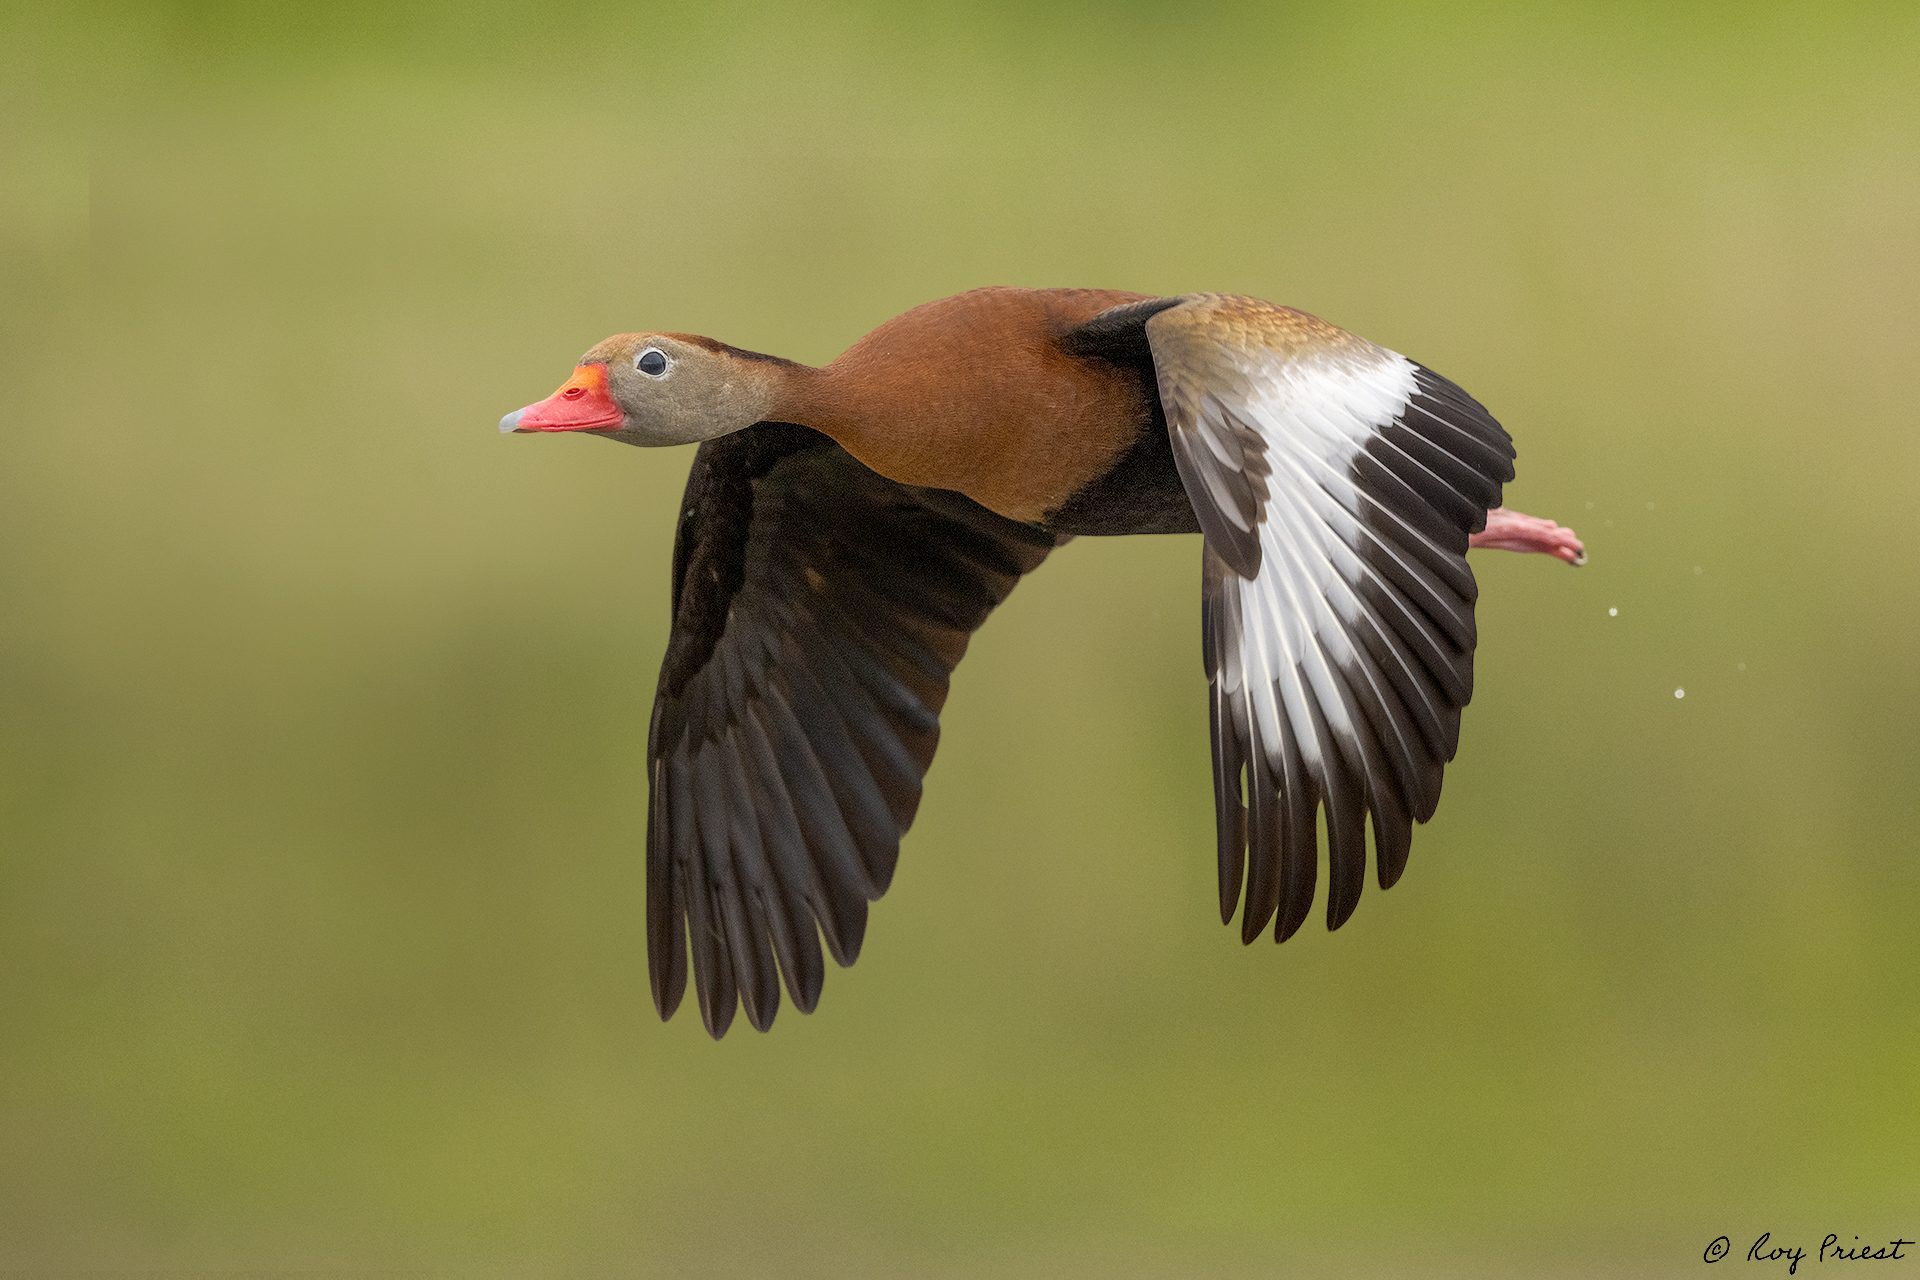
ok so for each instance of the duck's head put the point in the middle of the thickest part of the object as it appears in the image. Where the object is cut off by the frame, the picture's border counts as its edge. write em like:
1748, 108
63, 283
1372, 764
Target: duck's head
657, 388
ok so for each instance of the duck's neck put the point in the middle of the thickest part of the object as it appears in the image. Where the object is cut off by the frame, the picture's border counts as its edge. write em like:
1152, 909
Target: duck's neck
822, 399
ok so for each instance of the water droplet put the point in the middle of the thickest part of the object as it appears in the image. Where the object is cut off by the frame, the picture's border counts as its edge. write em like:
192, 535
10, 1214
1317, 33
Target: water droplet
1649, 506
1697, 571
1613, 613
1589, 506
1739, 666
1679, 693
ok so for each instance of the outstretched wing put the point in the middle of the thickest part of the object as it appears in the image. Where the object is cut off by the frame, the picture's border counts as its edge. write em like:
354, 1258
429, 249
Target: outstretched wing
1336, 483
819, 610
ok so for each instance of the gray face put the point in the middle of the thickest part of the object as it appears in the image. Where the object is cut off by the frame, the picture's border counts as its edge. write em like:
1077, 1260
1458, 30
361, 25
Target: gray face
677, 392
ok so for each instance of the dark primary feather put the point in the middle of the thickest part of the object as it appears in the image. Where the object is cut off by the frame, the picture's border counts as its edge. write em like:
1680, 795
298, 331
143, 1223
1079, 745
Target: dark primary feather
819, 610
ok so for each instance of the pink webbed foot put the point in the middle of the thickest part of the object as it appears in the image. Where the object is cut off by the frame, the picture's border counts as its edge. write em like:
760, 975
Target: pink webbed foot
1516, 531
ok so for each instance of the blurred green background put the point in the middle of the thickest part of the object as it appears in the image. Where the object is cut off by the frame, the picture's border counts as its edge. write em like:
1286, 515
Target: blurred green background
322, 705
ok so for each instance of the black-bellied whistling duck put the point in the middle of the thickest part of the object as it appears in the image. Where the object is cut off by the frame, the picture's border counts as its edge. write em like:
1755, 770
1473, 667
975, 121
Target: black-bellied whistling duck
846, 528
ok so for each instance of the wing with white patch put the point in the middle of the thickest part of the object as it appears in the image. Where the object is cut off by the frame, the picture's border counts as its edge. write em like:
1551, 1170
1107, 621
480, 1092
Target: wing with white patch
1336, 483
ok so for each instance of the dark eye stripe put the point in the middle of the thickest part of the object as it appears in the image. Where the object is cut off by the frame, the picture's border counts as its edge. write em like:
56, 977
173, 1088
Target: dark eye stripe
651, 362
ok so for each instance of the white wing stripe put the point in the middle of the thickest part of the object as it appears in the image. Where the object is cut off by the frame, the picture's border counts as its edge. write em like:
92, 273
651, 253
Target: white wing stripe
1347, 532
1308, 608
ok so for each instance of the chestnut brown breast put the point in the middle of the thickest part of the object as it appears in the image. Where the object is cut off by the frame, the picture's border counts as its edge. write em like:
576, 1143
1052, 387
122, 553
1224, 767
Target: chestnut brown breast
975, 393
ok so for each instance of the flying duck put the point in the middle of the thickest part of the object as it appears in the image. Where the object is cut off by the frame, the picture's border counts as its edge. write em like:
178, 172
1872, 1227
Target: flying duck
846, 528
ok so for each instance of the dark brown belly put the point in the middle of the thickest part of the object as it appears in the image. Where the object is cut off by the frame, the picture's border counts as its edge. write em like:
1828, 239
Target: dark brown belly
1141, 493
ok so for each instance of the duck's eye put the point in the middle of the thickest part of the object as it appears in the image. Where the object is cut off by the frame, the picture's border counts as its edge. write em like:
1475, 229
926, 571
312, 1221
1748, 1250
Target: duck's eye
652, 362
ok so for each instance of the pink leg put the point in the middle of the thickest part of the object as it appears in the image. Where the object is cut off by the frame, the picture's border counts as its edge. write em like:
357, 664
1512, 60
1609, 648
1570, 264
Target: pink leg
1516, 531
